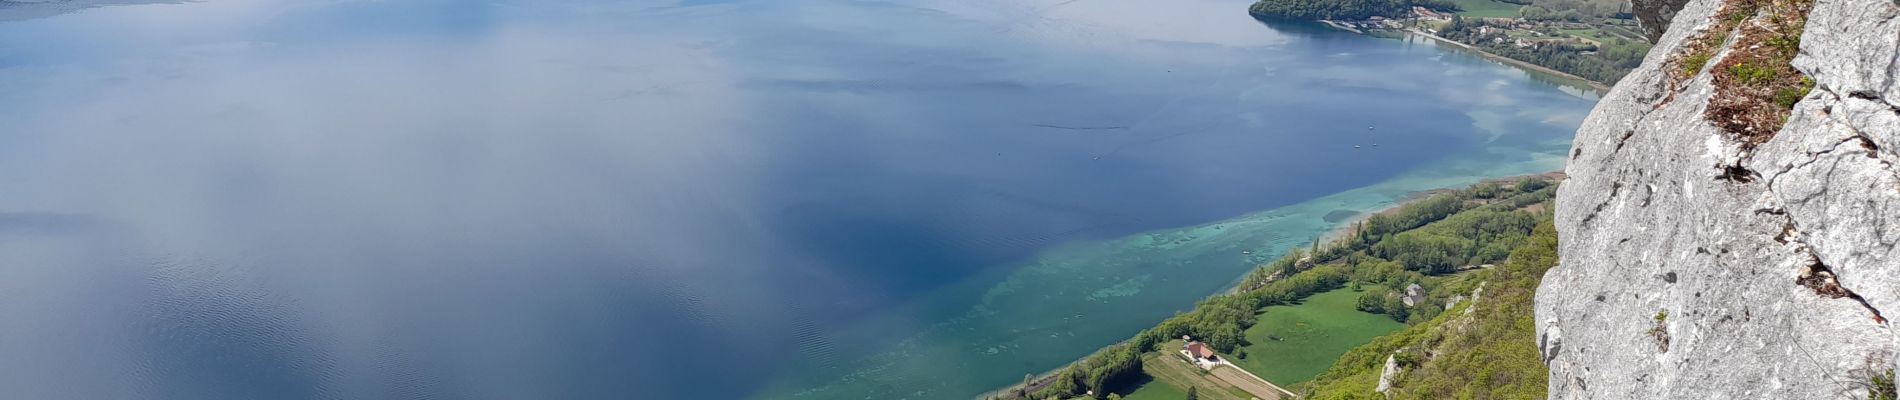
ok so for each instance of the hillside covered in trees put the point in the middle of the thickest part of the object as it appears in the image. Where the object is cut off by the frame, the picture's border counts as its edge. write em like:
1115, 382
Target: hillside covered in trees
1427, 242
1342, 9
1484, 348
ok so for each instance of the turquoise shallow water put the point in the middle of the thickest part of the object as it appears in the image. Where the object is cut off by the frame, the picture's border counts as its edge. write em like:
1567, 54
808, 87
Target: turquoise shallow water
1069, 300
681, 199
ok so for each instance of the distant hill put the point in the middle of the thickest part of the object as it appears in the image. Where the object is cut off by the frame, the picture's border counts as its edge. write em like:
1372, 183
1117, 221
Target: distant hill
1330, 9
1344, 9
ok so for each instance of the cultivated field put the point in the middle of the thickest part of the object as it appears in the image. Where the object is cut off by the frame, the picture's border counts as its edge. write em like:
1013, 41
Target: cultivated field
1293, 344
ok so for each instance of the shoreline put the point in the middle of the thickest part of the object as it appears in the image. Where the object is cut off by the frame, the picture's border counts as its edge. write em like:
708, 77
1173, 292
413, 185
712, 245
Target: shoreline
1510, 61
1599, 86
1140, 274
1341, 26
1344, 226
1042, 379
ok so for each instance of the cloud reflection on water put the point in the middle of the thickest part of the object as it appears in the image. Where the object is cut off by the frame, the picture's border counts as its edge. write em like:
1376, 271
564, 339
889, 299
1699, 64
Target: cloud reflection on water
305, 205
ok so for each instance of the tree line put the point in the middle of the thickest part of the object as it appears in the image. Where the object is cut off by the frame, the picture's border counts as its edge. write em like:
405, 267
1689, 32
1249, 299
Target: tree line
1343, 9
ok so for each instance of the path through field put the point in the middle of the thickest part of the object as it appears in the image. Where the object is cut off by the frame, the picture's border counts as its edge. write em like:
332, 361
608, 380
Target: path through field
1252, 384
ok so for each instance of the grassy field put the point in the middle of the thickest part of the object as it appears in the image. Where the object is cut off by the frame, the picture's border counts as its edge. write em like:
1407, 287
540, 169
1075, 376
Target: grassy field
1156, 390
1487, 9
1170, 370
1601, 36
1293, 344
1591, 34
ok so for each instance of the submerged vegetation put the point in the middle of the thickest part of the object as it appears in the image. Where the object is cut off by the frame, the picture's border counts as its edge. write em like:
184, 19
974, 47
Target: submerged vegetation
1419, 243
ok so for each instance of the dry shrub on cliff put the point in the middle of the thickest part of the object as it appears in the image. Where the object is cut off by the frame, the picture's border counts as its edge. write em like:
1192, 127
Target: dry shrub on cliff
1696, 52
1755, 86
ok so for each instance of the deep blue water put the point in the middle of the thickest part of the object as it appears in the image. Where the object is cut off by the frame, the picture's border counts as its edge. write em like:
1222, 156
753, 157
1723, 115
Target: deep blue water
652, 199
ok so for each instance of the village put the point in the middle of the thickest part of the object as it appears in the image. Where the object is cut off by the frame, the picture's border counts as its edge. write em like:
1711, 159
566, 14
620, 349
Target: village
1595, 46
1518, 32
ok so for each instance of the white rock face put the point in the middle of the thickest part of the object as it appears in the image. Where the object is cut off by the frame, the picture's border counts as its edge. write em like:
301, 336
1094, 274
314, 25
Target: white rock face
1413, 295
1476, 295
1391, 372
1677, 284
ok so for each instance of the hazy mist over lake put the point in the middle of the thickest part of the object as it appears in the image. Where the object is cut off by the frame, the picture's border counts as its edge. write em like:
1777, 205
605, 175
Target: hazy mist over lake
656, 199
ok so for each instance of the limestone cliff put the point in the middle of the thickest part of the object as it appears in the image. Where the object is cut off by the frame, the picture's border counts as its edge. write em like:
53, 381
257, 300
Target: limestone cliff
1717, 254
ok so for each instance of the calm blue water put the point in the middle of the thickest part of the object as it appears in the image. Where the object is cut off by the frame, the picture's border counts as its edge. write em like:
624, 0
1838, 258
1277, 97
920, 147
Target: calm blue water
661, 199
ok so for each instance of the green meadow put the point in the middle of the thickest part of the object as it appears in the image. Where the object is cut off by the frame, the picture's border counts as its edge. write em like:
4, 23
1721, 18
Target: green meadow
1292, 344
1487, 9
1157, 390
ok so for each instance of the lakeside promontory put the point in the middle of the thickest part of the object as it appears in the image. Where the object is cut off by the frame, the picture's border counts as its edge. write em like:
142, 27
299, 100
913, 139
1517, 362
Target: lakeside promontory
1397, 278
1594, 40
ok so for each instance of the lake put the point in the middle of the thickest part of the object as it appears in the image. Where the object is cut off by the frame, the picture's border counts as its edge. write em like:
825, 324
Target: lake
822, 199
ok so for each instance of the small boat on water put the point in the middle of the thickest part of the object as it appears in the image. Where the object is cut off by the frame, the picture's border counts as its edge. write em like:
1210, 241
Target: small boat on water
1355, 146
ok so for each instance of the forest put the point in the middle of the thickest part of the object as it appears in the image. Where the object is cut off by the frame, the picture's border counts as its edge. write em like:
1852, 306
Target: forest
1343, 9
1478, 350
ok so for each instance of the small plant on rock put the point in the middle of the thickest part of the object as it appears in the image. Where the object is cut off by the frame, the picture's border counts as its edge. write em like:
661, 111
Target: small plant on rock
1660, 330
1875, 377
1881, 387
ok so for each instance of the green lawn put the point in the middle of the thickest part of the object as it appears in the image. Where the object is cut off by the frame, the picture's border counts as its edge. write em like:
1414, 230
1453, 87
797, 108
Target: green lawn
1156, 390
1173, 375
1487, 9
1606, 38
1587, 34
1293, 344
